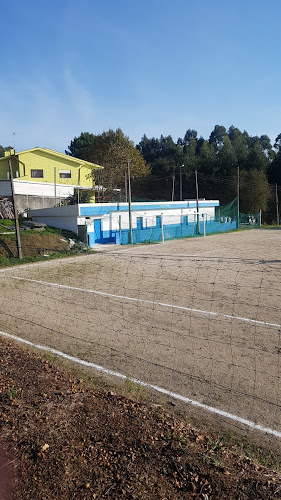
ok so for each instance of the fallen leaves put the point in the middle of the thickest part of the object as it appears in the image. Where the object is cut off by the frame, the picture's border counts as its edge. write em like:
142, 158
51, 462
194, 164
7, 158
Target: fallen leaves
70, 441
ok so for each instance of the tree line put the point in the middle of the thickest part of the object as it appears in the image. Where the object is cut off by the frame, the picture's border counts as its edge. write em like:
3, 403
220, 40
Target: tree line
216, 160
164, 169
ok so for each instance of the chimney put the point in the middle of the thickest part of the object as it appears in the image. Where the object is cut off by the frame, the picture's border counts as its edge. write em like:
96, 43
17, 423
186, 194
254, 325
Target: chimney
10, 152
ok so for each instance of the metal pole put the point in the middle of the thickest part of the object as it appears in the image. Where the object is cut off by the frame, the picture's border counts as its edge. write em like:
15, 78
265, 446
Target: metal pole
238, 197
173, 186
162, 228
260, 218
130, 205
181, 182
277, 204
19, 251
197, 202
204, 225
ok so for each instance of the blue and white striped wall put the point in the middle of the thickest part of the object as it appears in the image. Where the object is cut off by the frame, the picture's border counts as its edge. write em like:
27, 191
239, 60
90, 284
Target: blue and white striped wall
109, 222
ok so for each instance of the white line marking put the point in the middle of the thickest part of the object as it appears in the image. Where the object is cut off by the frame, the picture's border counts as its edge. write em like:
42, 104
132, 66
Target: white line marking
174, 395
151, 302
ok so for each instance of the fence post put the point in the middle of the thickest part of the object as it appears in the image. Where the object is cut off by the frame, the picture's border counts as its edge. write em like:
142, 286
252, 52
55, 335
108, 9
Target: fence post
162, 228
204, 226
260, 218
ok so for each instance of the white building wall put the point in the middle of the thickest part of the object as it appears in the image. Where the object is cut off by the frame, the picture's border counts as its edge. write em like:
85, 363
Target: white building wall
60, 217
170, 216
43, 189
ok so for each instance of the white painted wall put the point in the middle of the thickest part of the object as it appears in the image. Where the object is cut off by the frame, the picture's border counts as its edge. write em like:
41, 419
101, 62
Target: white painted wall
32, 188
61, 217
43, 189
170, 216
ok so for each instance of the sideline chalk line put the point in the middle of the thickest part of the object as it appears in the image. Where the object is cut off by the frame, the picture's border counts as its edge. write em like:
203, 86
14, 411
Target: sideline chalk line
166, 392
151, 302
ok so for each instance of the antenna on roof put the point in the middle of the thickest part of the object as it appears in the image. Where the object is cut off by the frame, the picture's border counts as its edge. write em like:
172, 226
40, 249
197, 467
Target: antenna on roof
14, 139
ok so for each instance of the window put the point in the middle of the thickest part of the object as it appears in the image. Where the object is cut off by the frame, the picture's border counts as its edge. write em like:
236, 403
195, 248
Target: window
65, 174
36, 174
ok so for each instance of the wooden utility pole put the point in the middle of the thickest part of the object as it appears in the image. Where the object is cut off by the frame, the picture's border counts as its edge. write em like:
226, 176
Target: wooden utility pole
130, 205
55, 185
277, 204
126, 188
19, 251
197, 202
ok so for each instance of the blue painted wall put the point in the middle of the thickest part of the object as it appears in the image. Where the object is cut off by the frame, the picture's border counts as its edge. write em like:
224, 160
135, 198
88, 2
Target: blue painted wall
154, 234
96, 209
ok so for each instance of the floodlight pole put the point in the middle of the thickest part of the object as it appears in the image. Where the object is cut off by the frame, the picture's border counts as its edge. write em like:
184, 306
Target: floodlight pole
18, 241
130, 205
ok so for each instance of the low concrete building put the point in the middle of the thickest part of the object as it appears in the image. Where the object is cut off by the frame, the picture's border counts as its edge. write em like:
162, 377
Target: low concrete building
151, 221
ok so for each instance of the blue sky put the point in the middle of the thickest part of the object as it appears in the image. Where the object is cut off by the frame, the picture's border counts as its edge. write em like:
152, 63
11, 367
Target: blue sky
150, 67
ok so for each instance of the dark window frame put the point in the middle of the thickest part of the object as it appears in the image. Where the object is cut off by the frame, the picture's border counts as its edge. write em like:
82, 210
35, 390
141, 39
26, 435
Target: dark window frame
65, 175
34, 175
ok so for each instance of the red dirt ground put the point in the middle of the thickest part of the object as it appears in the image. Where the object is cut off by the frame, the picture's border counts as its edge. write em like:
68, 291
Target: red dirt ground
62, 439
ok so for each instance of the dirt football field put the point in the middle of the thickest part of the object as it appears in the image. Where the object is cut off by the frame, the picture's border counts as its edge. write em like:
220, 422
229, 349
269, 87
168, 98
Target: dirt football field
199, 319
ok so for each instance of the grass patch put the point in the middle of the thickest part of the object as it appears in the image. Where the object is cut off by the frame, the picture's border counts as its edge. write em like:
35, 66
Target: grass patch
263, 456
14, 261
135, 390
52, 243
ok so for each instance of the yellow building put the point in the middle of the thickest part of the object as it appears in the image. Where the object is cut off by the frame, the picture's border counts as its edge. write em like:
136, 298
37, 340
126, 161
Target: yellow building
46, 175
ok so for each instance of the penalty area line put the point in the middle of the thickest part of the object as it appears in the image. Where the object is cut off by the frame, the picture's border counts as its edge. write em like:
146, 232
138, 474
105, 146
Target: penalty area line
151, 302
211, 409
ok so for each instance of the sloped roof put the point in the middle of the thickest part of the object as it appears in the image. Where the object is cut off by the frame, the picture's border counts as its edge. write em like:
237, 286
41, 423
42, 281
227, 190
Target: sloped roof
55, 153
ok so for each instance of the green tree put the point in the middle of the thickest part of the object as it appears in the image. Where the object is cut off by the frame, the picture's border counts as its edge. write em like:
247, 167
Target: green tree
277, 143
254, 191
217, 136
206, 158
112, 150
257, 160
164, 157
274, 171
226, 160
